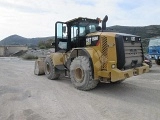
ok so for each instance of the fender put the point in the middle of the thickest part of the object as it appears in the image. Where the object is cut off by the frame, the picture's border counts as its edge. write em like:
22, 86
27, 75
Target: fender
58, 60
93, 56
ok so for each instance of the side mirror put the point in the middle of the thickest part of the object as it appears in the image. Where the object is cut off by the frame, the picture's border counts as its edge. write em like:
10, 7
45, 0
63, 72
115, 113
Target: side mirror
98, 28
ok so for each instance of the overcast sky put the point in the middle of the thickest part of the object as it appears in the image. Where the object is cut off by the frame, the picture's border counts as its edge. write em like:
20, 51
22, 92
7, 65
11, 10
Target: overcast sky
36, 18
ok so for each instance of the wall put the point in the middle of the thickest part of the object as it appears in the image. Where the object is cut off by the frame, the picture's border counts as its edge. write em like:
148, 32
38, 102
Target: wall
9, 50
2, 52
13, 49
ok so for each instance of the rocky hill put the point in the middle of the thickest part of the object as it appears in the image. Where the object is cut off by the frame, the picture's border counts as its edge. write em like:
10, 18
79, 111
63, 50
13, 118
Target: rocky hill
18, 40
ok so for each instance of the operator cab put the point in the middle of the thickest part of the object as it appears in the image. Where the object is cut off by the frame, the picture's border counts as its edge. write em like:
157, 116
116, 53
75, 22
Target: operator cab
72, 34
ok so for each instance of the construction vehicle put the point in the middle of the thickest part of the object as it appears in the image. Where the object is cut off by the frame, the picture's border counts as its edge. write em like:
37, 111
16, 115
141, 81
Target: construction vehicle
154, 49
89, 54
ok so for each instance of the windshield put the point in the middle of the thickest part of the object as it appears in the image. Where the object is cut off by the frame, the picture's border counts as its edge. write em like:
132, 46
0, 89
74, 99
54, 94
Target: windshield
154, 42
86, 28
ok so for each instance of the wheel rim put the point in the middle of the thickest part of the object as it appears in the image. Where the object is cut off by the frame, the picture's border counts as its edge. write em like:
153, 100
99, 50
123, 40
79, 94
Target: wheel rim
79, 74
48, 68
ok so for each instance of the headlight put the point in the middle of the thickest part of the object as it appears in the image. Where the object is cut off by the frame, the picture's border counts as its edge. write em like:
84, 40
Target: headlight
113, 66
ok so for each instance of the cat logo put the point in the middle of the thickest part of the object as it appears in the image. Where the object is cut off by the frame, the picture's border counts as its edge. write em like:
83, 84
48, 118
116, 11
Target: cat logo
91, 40
88, 41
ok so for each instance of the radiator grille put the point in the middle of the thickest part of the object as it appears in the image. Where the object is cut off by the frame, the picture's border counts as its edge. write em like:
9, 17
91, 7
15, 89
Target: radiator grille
133, 52
129, 51
104, 52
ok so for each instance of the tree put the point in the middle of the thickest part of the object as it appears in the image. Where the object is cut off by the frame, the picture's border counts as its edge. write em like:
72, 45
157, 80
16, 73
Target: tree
46, 44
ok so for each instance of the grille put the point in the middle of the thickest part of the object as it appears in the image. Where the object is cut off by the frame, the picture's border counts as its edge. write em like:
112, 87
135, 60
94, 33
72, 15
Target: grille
133, 53
129, 52
104, 52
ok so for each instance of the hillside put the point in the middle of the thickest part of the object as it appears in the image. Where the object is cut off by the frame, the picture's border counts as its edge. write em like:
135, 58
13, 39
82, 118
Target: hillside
145, 32
18, 40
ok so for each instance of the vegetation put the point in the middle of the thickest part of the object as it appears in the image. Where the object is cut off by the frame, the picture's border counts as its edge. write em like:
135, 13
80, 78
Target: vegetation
144, 32
46, 44
145, 43
29, 57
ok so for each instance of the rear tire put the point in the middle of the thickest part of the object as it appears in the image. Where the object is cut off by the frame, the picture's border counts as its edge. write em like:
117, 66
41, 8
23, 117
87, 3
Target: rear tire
81, 74
157, 62
49, 69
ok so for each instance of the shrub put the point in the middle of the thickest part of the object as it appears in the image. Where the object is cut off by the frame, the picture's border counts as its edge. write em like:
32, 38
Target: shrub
46, 44
42, 47
29, 57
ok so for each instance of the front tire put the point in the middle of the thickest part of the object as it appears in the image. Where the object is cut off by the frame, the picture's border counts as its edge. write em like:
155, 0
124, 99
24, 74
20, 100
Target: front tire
81, 74
49, 69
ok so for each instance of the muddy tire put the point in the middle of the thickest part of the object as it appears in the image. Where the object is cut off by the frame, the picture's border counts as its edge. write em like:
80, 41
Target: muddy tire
81, 74
157, 62
49, 69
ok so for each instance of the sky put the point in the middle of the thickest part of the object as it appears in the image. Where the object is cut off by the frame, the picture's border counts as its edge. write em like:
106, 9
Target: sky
36, 18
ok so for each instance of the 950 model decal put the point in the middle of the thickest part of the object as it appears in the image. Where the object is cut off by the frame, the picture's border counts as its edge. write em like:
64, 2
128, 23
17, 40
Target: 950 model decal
92, 40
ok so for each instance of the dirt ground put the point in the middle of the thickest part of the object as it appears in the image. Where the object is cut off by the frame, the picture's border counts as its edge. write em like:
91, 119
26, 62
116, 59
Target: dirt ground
24, 96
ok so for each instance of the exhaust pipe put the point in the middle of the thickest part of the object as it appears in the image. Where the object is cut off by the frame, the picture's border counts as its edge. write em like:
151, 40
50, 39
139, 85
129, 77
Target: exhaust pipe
104, 22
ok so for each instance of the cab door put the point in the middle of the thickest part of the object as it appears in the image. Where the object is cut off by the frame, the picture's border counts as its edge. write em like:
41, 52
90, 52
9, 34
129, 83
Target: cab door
61, 37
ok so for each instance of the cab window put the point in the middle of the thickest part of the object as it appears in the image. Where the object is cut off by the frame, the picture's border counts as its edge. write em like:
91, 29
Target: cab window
62, 35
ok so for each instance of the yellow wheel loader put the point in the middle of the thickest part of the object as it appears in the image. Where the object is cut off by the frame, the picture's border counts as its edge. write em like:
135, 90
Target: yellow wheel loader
89, 54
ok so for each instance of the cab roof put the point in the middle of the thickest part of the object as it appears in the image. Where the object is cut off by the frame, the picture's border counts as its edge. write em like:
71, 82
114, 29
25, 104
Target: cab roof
81, 19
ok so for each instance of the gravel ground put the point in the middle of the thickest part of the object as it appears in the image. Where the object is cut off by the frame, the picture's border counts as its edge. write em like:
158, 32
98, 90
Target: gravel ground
24, 96
40, 52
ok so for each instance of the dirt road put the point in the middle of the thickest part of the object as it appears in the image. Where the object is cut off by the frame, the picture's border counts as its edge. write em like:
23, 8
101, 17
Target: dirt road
24, 96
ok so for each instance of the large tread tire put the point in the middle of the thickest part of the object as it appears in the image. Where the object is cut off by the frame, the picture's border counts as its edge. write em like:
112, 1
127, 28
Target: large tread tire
157, 62
49, 69
85, 80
